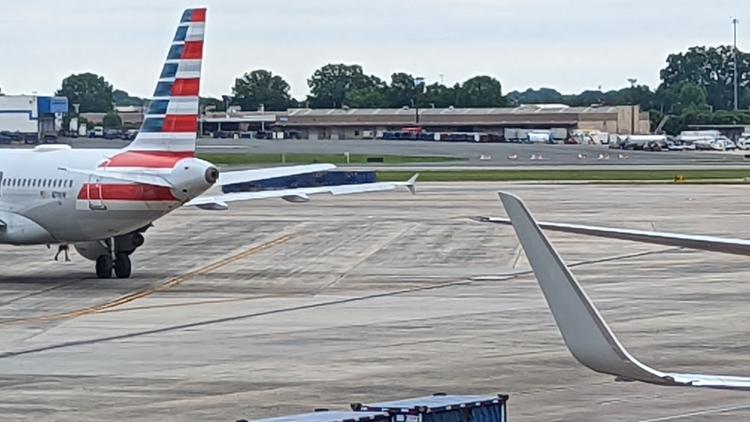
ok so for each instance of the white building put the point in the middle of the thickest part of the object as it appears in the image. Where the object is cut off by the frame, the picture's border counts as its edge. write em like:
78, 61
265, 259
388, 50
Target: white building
32, 114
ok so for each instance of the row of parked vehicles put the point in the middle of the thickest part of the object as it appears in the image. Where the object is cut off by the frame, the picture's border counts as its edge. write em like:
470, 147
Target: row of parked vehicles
7, 138
686, 141
121, 134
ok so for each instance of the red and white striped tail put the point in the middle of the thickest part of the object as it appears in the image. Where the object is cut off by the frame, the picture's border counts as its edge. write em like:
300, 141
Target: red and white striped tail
171, 121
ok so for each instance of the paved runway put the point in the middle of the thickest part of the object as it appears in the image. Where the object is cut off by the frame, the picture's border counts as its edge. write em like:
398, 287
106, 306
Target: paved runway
276, 308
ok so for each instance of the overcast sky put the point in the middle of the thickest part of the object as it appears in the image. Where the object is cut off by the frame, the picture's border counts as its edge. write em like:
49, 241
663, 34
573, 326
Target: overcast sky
570, 45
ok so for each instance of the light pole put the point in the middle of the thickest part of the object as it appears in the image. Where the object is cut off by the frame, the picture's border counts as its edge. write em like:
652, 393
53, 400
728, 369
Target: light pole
736, 21
632, 81
419, 85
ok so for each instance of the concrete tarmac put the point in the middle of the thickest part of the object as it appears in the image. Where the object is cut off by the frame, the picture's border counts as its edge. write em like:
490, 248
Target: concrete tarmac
275, 308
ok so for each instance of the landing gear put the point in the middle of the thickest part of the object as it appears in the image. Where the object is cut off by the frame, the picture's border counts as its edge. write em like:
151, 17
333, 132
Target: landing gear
122, 265
104, 266
112, 255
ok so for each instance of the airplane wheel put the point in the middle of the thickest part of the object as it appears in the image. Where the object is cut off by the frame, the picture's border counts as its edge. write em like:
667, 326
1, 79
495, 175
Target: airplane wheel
104, 266
122, 266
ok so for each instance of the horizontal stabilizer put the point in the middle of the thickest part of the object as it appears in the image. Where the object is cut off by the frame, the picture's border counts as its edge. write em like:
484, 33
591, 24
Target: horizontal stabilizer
706, 243
586, 334
133, 177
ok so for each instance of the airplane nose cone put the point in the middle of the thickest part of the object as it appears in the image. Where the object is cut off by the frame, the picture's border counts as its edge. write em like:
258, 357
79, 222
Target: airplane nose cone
212, 175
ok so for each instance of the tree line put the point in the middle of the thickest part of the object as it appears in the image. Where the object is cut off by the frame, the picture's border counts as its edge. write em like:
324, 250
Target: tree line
696, 88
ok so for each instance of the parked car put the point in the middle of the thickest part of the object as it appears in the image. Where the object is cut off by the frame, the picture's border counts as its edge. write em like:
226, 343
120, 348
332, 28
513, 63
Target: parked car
656, 145
112, 134
129, 134
222, 134
49, 138
96, 132
263, 135
8, 137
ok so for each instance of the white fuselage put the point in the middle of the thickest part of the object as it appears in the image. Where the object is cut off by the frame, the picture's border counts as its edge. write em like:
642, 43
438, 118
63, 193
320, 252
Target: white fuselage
42, 204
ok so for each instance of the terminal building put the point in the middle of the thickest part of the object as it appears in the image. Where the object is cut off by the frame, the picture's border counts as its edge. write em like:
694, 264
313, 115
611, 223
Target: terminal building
369, 123
351, 123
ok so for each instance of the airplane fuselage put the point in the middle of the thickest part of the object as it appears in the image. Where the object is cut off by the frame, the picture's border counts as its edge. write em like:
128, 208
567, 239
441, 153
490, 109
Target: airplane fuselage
41, 204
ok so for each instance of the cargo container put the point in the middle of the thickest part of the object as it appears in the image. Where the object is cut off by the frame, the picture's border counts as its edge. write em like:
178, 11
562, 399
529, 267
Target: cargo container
326, 416
442, 408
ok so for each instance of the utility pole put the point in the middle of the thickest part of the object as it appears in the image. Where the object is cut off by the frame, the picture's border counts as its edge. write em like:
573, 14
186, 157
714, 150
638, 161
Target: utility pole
736, 21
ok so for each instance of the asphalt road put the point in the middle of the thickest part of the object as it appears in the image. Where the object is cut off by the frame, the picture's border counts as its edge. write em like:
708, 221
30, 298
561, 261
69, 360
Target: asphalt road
275, 308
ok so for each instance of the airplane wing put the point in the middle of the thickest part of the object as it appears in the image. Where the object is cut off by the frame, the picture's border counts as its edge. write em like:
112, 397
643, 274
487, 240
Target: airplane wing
244, 176
220, 202
586, 334
141, 177
706, 243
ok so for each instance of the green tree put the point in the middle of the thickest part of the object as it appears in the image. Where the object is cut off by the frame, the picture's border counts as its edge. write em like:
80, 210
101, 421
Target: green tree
370, 97
640, 95
481, 91
261, 87
216, 103
439, 95
330, 84
585, 98
531, 96
403, 90
680, 97
123, 99
713, 69
91, 91
112, 120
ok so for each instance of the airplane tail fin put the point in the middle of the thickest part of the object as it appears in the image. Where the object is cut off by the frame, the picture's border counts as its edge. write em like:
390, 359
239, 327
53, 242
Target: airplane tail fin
170, 124
584, 330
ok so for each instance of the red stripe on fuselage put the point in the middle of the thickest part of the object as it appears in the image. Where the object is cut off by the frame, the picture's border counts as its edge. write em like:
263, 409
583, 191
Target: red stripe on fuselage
148, 159
130, 192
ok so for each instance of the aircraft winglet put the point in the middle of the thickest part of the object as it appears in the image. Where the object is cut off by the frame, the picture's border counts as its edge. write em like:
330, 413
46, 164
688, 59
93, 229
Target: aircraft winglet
586, 334
411, 184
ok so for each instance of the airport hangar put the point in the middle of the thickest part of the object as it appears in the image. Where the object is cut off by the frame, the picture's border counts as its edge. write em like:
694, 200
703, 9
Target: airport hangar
352, 123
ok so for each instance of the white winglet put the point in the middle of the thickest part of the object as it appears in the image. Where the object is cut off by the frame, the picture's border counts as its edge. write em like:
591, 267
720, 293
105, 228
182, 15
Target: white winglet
584, 330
